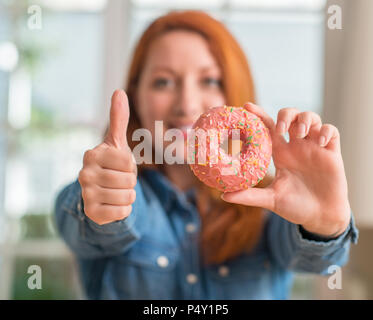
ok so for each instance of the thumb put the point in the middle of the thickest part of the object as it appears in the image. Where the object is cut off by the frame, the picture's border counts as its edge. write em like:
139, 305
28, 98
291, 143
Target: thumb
254, 197
119, 115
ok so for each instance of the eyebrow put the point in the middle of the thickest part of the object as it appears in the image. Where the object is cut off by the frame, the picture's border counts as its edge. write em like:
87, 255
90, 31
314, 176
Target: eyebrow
168, 69
162, 68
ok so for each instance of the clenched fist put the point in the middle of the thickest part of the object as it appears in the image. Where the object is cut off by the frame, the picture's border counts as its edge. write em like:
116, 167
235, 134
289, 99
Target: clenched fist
109, 172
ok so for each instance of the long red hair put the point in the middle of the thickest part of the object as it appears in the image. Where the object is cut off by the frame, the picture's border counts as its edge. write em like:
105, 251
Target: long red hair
227, 229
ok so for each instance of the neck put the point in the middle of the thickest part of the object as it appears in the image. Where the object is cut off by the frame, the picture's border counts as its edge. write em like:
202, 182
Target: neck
181, 176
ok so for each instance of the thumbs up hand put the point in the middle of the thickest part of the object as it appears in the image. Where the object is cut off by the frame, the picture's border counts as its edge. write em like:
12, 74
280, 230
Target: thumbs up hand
119, 115
109, 172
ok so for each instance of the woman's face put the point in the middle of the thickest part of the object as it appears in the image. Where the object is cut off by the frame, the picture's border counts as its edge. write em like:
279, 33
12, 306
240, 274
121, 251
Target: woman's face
180, 80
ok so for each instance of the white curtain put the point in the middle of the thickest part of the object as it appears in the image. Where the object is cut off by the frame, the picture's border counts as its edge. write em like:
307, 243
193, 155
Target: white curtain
349, 99
348, 104
116, 54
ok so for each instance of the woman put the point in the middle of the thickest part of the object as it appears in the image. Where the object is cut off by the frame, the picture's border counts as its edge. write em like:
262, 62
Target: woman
153, 231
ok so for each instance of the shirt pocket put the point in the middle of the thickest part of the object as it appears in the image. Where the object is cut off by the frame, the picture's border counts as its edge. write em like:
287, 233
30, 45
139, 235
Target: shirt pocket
245, 277
146, 271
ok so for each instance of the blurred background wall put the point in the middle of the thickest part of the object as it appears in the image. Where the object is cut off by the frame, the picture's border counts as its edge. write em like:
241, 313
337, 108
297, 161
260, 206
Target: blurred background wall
56, 79
348, 103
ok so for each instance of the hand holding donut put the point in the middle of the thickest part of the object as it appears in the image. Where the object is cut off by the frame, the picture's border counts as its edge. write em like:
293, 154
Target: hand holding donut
109, 172
310, 186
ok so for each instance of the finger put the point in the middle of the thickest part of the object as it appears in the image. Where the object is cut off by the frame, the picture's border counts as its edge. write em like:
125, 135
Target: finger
115, 159
329, 137
119, 115
108, 178
116, 197
306, 121
284, 119
268, 121
106, 213
255, 197
109, 212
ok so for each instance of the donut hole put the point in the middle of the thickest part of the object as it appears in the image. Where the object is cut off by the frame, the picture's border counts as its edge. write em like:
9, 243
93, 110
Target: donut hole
232, 146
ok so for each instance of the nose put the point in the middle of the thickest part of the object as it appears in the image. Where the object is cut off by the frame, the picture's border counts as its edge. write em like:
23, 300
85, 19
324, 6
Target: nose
189, 100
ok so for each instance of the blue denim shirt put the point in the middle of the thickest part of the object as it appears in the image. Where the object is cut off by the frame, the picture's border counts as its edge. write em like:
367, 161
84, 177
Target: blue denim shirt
154, 254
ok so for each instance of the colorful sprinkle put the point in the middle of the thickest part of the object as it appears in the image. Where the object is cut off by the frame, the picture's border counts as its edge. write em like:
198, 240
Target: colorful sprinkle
252, 164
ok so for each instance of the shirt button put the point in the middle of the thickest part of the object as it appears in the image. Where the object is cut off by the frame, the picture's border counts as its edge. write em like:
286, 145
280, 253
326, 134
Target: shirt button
162, 261
190, 227
223, 271
191, 278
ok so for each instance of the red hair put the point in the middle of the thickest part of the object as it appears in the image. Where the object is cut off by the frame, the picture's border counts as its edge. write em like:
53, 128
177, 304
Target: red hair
227, 229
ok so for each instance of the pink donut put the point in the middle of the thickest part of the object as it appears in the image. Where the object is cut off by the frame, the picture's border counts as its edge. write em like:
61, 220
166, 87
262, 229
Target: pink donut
218, 169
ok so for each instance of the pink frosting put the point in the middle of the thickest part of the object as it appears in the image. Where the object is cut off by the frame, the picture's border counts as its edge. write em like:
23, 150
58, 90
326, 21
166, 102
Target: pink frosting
220, 170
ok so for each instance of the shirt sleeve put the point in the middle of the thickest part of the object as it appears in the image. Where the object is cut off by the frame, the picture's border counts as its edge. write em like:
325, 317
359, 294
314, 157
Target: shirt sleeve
295, 250
88, 239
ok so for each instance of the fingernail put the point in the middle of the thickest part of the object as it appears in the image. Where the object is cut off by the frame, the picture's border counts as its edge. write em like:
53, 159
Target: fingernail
322, 140
281, 127
301, 130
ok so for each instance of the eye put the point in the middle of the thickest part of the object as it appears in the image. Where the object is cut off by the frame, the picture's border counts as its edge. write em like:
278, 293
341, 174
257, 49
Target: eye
161, 83
212, 82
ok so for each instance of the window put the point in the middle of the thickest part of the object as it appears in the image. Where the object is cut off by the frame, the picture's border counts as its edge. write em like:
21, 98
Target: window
51, 96
52, 116
283, 41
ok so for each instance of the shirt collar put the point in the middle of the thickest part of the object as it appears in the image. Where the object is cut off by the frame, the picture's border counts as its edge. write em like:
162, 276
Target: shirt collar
166, 192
